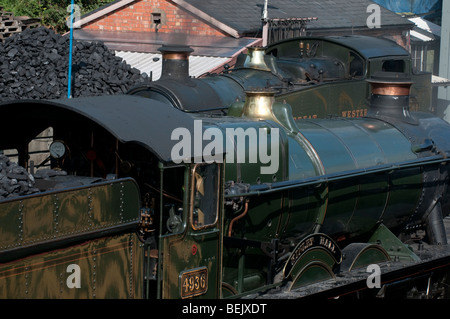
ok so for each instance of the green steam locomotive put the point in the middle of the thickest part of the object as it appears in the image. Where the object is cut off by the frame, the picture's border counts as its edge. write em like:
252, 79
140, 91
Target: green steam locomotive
317, 76
146, 200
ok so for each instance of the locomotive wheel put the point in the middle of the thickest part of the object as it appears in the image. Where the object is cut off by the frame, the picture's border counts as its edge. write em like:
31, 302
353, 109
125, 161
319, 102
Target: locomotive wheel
315, 247
359, 255
314, 254
228, 290
313, 272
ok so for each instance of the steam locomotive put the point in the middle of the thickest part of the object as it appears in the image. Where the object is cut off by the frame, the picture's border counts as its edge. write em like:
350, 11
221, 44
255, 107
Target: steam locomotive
146, 198
317, 76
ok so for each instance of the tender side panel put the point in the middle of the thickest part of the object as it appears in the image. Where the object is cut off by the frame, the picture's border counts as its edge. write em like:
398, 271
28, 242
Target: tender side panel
103, 268
31, 223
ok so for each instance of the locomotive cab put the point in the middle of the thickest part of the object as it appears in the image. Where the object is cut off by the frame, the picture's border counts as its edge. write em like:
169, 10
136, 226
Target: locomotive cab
169, 213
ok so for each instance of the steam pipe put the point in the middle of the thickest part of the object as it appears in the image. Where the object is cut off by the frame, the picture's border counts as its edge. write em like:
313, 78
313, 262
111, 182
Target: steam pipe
435, 226
237, 218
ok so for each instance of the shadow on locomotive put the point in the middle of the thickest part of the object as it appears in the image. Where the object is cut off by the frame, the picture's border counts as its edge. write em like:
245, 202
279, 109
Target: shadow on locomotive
115, 212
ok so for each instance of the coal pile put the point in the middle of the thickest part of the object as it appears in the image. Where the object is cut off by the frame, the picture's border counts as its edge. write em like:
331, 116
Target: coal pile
34, 64
14, 180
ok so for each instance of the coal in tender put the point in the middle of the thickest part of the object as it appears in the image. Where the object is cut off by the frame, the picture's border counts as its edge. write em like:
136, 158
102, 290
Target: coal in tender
34, 64
14, 180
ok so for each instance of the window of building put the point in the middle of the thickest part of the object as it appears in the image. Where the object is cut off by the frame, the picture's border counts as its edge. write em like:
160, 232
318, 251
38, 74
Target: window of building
158, 19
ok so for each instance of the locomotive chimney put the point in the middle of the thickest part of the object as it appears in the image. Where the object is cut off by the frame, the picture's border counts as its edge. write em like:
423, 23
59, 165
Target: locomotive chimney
390, 96
175, 61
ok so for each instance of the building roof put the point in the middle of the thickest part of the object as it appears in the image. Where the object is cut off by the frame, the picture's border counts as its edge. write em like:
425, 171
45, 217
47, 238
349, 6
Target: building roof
424, 30
141, 49
243, 18
439, 81
331, 14
152, 41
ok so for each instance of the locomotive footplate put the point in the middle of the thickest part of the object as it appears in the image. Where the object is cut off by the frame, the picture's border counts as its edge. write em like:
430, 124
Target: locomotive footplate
273, 249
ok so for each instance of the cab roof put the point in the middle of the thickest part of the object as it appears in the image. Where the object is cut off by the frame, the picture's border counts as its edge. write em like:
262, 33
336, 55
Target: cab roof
130, 118
367, 46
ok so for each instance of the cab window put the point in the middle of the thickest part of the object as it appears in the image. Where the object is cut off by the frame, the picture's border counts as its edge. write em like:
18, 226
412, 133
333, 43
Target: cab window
393, 66
205, 195
356, 65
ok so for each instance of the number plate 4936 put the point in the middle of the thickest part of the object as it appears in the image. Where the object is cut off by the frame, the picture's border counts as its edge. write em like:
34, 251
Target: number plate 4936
194, 282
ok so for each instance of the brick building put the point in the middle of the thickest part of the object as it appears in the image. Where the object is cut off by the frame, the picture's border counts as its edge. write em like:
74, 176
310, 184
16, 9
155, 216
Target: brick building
219, 30
148, 16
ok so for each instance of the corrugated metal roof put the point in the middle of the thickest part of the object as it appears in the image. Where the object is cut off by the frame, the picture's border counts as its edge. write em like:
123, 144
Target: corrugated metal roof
439, 81
151, 63
427, 25
424, 30
417, 36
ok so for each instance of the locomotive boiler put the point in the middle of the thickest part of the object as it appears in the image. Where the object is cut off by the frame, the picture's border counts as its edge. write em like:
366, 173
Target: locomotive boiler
144, 200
